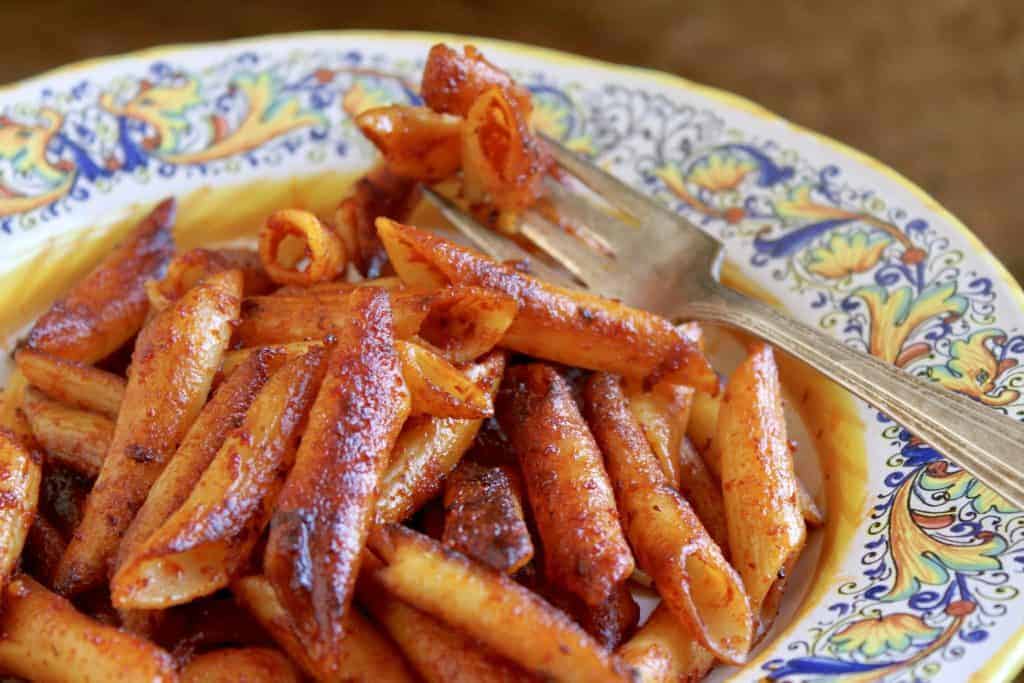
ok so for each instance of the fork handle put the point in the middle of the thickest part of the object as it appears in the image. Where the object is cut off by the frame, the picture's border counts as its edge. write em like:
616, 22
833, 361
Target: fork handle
979, 439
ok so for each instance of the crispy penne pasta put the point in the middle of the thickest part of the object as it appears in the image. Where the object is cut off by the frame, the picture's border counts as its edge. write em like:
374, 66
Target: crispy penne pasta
428, 448
610, 623
223, 413
467, 326
439, 653
173, 365
438, 388
188, 269
415, 141
21, 473
72, 383
490, 607
107, 307
701, 431
78, 439
268, 320
249, 664
390, 282
662, 412
569, 493
452, 82
43, 548
380, 192
663, 652
671, 545
329, 499
47, 639
280, 353
484, 516
501, 163
762, 508
209, 538
564, 325
368, 656
704, 494
297, 249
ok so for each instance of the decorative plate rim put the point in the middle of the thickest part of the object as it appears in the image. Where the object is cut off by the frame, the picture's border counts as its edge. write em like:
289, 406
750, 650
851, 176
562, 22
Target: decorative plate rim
726, 97
1009, 656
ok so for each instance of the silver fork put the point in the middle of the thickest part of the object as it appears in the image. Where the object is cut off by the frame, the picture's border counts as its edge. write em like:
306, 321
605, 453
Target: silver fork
671, 267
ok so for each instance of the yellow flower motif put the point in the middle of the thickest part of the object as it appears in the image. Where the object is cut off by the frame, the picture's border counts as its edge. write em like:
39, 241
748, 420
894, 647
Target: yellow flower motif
973, 370
24, 147
720, 172
846, 255
875, 637
359, 99
961, 484
798, 205
554, 121
163, 107
894, 316
923, 559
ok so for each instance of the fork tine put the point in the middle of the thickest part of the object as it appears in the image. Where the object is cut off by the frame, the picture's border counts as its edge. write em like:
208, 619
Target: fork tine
592, 268
491, 243
633, 202
623, 239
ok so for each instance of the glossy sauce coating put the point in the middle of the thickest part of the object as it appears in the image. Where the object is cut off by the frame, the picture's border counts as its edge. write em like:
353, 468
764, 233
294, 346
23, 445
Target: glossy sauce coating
428, 448
73, 383
489, 606
328, 502
173, 366
568, 326
693, 578
107, 307
415, 141
484, 516
585, 551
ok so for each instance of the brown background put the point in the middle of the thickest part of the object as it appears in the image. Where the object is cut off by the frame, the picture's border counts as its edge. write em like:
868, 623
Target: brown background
934, 88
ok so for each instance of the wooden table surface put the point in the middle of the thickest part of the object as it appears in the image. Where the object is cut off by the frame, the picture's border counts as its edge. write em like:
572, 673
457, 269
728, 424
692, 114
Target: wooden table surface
934, 88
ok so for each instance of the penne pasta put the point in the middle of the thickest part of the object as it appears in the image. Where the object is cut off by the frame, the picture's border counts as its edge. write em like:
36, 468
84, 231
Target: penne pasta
21, 474
44, 546
663, 652
173, 365
47, 639
297, 249
484, 516
570, 496
415, 141
207, 540
188, 269
609, 623
380, 192
223, 413
75, 438
701, 431
452, 82
250, 664
438, 653
762, 509
429, 448
368, 656
328, 502
703, 493
565, 325
390, 283
468, 325
696, 583
490, 607
108, 306
501, 163
72, 383
438, 388
662, 412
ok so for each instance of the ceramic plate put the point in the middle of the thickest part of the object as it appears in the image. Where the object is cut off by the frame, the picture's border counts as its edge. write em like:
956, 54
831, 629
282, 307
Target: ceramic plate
919, 571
